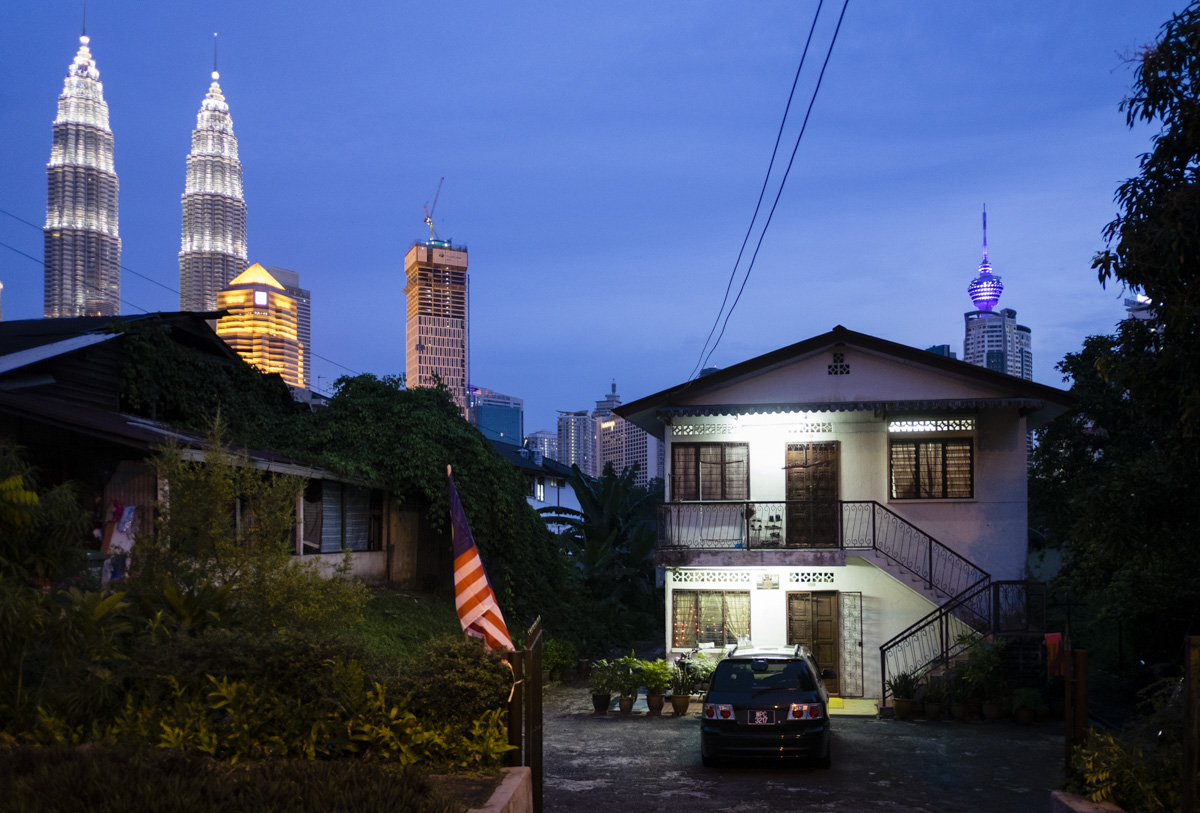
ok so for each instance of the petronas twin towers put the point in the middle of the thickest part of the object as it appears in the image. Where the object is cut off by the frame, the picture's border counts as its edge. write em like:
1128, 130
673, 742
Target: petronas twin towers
82, 244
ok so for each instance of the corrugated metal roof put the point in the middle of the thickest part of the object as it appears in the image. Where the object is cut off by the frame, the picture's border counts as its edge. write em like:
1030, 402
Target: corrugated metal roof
32, 355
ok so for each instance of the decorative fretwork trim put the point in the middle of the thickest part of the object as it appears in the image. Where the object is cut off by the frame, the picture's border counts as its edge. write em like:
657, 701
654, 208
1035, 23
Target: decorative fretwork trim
811, 428
810, 577
679, 430
839, 366
933, 425
711, 576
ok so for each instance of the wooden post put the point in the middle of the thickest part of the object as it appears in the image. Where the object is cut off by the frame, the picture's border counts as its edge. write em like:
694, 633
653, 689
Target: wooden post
1191, 690
1068, 709
1079, 667
516, 708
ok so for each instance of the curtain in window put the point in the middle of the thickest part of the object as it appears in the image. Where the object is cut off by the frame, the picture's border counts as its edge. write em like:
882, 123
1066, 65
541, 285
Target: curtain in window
737, 616
959, 466
331, 517
683, 473
358, 517
929, 468
904, 471
737, 471
686, 618
311, 534
712, 472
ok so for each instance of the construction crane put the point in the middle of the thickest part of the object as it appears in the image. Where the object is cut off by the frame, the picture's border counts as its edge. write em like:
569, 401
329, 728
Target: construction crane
429, 211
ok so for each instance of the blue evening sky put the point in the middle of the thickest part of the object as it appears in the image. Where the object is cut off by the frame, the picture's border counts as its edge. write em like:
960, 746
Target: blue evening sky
602, 162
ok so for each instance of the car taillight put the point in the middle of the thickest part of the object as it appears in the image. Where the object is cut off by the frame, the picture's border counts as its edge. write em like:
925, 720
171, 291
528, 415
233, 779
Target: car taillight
806, 711
714, 711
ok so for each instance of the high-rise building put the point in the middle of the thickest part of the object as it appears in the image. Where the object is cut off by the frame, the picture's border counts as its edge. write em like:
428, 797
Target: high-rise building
213, 250
624, 445
290, 281
262, 324
81, 243
577, 441
544, 441
436, 331
993, 339
497, 416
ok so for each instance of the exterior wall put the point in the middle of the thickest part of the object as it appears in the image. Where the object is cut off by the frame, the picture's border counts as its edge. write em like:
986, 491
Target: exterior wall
888, 606
369, 567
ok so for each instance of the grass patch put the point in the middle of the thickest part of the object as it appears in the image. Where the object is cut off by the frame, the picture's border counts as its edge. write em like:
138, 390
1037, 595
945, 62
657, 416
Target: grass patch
396, 624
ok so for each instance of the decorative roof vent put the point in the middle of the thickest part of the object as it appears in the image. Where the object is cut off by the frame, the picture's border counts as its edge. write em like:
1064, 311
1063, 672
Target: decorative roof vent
839, 365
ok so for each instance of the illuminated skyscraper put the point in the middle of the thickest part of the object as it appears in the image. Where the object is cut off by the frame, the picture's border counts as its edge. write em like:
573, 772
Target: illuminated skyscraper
262, 324
213, 250
436, 331
577, 444
82, 247
993, 339
291, 284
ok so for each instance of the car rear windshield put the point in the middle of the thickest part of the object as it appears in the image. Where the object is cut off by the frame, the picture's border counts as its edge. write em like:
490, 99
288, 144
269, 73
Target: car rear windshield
738, 676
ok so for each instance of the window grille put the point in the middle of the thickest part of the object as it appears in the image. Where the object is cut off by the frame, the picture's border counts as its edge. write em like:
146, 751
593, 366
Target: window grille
932, 469
710, 471
709, 617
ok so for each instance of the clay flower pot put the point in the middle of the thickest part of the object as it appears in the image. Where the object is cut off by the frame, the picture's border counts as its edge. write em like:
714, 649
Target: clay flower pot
625, 704
680, 703
654, 703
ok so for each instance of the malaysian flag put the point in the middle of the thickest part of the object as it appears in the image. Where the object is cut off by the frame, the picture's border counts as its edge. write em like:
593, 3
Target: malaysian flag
478, 611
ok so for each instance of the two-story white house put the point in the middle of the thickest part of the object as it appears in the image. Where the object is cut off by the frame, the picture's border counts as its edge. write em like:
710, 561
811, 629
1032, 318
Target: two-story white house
857, 496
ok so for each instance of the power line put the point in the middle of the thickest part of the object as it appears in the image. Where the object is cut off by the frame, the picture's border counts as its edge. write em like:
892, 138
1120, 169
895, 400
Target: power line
130, 304
783, 182
123, 267
85, 282
761, 192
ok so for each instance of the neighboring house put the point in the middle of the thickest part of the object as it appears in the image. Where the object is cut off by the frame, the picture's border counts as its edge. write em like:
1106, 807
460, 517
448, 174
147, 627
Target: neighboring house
60, 400
858, 496
546, 478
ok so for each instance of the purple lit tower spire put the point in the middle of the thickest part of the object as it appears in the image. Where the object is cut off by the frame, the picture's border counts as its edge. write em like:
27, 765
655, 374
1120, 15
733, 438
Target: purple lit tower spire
986, 288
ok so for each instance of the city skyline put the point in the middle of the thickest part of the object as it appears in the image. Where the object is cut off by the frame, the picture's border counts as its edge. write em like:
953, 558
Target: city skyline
627, 146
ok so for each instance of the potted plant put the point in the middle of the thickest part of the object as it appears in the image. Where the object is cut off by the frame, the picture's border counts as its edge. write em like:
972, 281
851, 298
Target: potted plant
601, 678
903, 688
682, 683
656, 676
984, 673
936, 692
627, 679
1026, 704
701, 667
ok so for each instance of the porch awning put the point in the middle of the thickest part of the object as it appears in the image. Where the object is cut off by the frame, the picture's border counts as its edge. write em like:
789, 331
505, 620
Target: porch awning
667, 414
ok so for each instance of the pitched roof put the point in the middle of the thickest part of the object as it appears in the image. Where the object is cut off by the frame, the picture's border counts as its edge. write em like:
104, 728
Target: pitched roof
513, 454
255, 275
683, 399
24, 334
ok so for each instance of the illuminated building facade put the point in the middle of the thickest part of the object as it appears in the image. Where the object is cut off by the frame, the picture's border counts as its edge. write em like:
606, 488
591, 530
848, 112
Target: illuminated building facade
993, 339
497, 416
80, 239
262, 325
290, 281
577, 441
625, 445
436, 330
543, 441
213, 248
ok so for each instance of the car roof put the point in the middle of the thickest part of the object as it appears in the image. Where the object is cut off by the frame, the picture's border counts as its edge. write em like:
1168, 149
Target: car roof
768, 652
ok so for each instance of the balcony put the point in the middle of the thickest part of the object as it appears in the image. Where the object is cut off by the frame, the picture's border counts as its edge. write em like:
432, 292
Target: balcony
788, 532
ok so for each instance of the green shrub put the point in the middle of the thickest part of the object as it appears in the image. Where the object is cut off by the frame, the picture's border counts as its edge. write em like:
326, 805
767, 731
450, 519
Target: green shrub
119, 779
558, 655
903, 686
455, 681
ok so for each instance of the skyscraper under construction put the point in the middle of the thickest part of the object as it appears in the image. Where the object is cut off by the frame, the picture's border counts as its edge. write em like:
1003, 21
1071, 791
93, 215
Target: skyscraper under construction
81, 243
436, 330
213, 251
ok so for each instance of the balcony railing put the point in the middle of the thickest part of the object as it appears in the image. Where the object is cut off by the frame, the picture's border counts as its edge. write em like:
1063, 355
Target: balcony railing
807, 525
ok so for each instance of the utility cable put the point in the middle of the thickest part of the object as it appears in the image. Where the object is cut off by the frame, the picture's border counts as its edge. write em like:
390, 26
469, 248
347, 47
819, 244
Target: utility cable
85, 282
761, 193
123, 267
782, 183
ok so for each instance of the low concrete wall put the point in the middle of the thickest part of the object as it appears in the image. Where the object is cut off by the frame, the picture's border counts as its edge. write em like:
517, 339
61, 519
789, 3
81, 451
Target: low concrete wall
513, 795
1063, 802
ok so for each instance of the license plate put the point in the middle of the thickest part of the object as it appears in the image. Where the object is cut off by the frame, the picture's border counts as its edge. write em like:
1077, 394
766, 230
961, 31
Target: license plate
766, 717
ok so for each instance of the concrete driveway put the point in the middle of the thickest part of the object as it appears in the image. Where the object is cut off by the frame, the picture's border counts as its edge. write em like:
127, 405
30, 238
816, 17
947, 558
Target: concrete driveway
646, 763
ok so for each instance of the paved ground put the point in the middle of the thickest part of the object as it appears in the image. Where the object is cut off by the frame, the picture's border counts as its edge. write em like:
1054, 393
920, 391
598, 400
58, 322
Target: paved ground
644, 763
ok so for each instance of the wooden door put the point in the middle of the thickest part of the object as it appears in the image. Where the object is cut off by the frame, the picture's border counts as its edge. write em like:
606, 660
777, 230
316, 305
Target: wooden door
812, 494
813, 623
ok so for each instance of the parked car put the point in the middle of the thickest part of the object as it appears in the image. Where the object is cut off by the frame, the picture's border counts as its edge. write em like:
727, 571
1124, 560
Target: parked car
767, 703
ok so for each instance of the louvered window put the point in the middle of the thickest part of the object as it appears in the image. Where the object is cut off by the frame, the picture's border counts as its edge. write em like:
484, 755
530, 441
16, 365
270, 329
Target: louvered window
710, 471
932, 469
